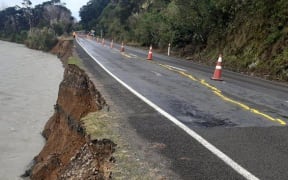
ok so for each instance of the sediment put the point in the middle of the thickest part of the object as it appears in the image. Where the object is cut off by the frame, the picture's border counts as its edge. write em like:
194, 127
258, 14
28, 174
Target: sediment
69, 153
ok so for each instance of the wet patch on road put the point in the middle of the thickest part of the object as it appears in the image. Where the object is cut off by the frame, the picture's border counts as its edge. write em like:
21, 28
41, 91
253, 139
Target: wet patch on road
219, 93
215, 123
190, 115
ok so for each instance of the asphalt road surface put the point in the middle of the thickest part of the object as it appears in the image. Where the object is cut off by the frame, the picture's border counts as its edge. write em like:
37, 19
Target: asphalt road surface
231, 129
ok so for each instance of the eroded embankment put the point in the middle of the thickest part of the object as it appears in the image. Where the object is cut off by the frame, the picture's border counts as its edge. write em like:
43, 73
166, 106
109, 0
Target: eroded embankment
63, 50
69, 152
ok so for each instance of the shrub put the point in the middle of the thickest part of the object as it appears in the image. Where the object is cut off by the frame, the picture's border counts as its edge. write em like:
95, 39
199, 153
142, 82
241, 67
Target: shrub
20, 37
41, 39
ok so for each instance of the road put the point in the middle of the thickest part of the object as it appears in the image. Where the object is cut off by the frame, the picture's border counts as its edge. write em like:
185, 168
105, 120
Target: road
234, 129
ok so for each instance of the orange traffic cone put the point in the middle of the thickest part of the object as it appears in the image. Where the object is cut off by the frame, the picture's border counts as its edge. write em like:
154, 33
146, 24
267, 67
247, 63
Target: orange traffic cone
111, 45
149, 57
122, 47
218, 70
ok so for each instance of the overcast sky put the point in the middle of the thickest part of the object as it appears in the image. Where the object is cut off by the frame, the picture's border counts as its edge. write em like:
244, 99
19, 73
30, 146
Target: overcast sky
73, 5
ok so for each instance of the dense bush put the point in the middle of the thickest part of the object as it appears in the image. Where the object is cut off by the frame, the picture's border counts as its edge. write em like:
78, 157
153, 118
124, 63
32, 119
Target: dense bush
42, 21
246, 32
41, 39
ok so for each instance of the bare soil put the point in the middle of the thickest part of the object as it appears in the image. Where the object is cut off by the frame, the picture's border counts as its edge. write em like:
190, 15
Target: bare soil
69, 151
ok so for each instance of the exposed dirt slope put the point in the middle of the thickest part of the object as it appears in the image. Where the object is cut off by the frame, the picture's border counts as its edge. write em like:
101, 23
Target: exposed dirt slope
63, 50
68, 152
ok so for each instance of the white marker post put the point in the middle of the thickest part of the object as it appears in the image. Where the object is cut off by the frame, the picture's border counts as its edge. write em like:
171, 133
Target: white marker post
169, 47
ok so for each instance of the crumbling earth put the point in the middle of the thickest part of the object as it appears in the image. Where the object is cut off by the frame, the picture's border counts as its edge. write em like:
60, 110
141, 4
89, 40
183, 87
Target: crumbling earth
69, 152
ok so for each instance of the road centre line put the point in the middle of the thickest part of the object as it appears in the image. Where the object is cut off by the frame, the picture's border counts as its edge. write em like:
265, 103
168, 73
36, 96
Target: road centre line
217, 92
126, 55
133, 55
238, 168
177, 68
156, 73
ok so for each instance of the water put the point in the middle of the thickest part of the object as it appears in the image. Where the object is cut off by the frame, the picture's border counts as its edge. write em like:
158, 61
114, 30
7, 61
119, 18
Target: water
29, 82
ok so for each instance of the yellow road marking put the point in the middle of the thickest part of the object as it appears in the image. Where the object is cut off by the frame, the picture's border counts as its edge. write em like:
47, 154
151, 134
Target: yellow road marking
203, 82
218, 92
126, 55
281, 121
231, 101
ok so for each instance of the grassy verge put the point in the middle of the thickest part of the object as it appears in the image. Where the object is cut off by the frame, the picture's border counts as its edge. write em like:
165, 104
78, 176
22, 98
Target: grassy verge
129, 165
74, 60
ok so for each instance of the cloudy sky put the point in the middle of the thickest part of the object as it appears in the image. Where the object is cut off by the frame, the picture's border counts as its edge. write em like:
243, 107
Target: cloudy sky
73, 5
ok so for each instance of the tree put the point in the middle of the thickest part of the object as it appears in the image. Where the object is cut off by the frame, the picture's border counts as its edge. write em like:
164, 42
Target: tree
27, 4
90, 13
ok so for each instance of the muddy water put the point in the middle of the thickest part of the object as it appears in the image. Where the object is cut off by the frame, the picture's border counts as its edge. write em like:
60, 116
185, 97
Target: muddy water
29, 83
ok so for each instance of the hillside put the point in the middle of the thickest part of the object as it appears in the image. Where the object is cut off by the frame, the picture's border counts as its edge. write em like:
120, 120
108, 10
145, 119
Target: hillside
252, 35
37, 26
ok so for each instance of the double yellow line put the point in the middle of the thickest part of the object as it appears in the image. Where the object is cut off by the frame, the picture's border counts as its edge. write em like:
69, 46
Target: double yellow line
218, 92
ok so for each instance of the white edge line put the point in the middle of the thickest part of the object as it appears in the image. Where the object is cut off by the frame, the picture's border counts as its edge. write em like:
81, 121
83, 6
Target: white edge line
238, 168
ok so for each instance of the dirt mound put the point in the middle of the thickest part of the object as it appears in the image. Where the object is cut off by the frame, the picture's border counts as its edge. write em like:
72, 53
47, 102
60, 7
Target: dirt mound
68, 150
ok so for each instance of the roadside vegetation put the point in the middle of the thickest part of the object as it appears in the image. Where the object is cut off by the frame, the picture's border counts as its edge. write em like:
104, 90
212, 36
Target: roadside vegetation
252, 35
38, 27
74, 60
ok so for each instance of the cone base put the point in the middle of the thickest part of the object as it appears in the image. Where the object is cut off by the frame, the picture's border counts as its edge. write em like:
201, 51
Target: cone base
216, 79
149, 57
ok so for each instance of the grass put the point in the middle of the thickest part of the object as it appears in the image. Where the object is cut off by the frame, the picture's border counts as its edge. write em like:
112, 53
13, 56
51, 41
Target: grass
67, 38
97, 125
74, 60
129, 164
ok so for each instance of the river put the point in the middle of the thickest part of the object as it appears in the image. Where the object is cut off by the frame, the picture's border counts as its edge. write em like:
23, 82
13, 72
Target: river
29, 82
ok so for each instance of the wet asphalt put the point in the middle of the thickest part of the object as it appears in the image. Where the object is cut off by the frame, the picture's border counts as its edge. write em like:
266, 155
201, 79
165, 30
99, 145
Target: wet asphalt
255, 142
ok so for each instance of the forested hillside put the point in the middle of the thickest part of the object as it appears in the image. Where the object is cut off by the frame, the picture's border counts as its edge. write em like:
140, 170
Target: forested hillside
252, 35
38, 27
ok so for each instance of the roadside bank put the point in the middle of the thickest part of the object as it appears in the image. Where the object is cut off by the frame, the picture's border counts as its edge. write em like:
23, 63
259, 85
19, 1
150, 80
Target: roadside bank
81, 140
69, 151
